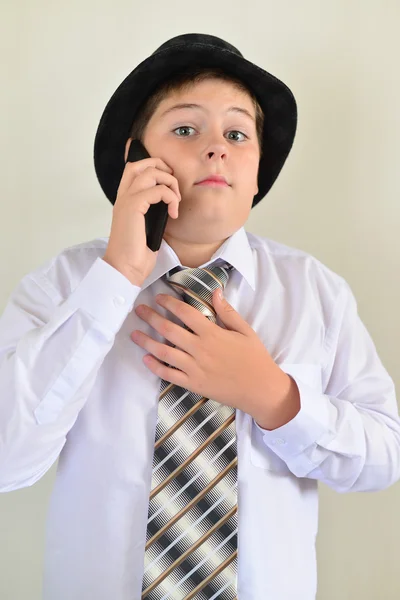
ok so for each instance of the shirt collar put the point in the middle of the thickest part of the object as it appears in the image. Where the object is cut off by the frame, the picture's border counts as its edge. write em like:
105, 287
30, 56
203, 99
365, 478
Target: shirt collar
236, 251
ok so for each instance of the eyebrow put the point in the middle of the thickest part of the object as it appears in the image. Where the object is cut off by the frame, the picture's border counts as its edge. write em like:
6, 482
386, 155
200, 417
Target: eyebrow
235, 109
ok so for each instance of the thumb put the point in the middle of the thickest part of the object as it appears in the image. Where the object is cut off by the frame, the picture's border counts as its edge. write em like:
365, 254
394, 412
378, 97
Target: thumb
228, 315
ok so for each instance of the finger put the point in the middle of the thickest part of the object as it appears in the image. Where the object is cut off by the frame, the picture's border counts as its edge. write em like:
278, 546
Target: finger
230, 318
133, 169
172, 332
151, 177
174, 357
174, 376
138, 166
190, 316
162, 193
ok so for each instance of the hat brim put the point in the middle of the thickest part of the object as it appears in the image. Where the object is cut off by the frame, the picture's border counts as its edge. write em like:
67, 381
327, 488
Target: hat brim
274, 97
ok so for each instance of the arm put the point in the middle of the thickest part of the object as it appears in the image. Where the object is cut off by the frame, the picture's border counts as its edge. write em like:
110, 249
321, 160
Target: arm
349, 436
50, 353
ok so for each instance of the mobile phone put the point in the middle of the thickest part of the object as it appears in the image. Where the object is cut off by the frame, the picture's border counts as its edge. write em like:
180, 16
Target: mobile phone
157, 216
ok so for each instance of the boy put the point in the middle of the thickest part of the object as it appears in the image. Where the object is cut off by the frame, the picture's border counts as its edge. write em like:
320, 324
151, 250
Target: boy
204, 486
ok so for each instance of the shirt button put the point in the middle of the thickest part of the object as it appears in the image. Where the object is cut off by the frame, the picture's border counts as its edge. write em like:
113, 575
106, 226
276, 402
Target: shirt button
279, 441
119, 300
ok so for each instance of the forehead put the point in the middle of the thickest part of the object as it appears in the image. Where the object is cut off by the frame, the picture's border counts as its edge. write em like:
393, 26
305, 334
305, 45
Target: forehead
211, 94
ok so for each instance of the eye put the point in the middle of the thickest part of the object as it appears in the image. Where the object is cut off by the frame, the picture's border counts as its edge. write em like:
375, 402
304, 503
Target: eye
183, 127
186, 127
240, 133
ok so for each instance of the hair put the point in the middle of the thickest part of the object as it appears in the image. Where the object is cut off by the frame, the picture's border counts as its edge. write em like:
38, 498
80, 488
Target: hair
183, 80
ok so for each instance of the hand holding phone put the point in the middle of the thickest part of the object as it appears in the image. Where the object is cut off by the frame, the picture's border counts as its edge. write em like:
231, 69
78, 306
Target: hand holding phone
147, 184
157, 215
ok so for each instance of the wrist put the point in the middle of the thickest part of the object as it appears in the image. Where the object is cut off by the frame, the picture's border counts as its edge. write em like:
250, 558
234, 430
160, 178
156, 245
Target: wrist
283, 408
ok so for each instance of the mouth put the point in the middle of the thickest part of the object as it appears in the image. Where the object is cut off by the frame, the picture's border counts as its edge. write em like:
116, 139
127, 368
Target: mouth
214, 180
213, 183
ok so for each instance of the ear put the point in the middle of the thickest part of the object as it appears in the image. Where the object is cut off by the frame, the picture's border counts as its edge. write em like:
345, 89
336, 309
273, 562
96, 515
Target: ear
128, 143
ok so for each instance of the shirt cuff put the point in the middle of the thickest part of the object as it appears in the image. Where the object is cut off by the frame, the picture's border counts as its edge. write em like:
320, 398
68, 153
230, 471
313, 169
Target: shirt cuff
305, 429
105, 294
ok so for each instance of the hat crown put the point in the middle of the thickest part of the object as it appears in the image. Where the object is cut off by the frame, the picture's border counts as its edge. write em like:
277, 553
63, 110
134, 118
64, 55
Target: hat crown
204, 39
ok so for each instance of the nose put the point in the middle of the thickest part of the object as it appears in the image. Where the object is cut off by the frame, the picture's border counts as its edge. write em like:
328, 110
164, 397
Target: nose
216, 151
217, 147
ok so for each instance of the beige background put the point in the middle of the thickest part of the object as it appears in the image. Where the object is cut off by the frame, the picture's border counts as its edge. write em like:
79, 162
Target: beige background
336, 198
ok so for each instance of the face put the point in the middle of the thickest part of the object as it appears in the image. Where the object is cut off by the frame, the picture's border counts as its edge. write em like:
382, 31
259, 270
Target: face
197, 142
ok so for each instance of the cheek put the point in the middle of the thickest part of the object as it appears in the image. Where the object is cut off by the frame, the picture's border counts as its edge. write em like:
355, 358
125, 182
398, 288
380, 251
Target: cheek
182, 176
248, 163
249, 175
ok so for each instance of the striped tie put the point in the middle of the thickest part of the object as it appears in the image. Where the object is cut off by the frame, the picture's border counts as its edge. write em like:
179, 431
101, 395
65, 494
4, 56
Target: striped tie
191, 541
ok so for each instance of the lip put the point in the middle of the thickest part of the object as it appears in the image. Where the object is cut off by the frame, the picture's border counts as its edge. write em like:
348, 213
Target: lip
213, 183
218, 180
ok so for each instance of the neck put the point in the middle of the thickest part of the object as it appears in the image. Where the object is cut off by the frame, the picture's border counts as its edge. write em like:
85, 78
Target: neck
191, 254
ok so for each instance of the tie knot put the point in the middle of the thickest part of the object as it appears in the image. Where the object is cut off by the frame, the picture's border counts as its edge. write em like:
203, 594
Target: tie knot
197, 285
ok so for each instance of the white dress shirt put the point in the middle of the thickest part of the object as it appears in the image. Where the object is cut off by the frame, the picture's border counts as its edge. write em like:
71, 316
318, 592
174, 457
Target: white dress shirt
73, 386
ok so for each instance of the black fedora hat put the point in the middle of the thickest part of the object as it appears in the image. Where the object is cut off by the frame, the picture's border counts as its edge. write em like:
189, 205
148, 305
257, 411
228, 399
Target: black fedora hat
182, 52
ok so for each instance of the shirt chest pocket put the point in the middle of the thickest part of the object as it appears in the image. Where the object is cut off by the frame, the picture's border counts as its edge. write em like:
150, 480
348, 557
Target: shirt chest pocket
261, 455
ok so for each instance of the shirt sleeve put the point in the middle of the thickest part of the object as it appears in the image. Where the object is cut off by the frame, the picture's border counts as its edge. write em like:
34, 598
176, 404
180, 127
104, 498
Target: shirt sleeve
50, 354
349, 436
